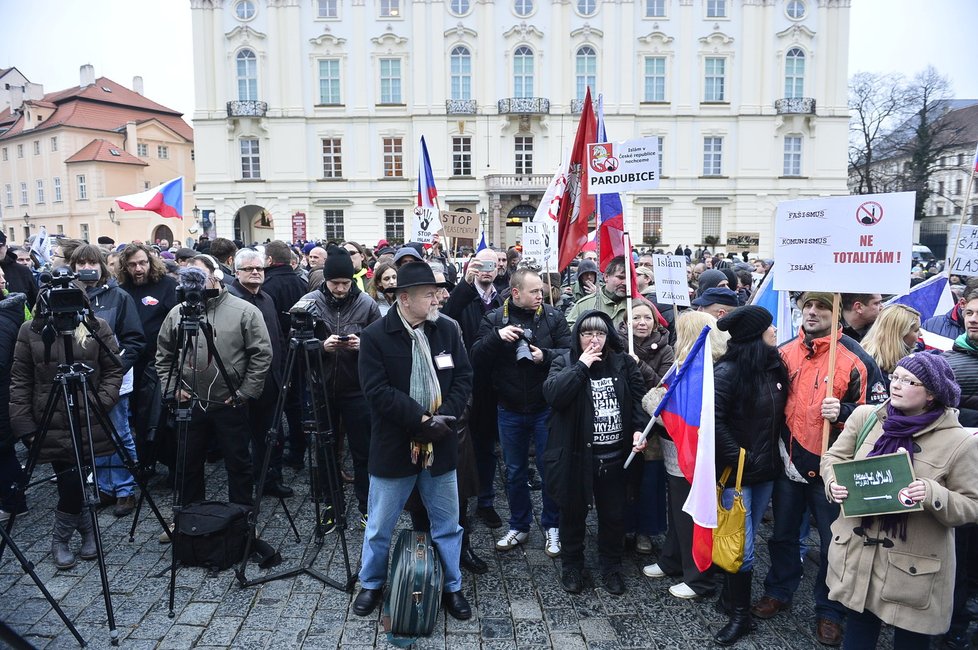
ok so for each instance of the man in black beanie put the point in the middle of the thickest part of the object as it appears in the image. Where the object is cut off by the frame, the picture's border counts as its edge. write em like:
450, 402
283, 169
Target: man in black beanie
342, 312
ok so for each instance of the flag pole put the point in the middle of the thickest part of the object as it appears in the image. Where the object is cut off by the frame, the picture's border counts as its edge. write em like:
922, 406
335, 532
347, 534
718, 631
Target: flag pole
626, 238
964, 213
830, 378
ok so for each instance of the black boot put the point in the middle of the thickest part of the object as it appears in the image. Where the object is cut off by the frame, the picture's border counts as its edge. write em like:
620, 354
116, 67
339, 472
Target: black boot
737, 586
722, 604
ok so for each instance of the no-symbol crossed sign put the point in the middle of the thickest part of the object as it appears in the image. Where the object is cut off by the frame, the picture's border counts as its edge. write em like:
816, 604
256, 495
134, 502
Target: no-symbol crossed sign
869, 213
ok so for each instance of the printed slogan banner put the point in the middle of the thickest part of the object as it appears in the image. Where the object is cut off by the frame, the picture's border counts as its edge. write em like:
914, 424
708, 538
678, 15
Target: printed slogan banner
670, 280
845, 244
614, 167
540, 243
424, 225
962, 250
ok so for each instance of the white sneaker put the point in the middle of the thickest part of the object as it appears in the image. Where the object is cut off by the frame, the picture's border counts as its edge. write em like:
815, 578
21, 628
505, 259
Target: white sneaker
682, 591
551, 544
653, 571
511, 540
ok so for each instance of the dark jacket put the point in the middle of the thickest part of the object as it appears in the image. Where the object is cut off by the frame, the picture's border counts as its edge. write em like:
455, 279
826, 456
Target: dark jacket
31, 381
385, 372
352, 315
285, 288
655, 355
964, 364
273, 380
950, 325
519, 385
567, 459
11, 318
753, 425
465, 306
153, 302
116, 307
19, 278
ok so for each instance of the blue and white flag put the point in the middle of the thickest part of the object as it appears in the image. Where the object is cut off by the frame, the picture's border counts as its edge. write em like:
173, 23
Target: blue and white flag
778, 304
42, 246
930, 297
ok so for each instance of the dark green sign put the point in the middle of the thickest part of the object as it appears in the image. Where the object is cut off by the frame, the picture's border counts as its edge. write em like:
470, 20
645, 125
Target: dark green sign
876, 485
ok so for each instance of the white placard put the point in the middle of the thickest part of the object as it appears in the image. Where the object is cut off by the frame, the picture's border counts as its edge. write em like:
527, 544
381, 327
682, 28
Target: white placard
540, 243
623, 166
962, 250
670, 279
425, 224
845, 244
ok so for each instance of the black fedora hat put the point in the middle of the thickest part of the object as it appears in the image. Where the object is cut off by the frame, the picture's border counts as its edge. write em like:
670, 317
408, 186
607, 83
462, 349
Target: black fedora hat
415, 274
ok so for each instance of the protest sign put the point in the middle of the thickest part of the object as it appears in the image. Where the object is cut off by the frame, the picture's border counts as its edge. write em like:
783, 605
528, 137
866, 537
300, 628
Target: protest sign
623, 166
743, 241
877, 485
670, 279
845, 244
460, 224
962, 250
540, 243
424, 225
298, 226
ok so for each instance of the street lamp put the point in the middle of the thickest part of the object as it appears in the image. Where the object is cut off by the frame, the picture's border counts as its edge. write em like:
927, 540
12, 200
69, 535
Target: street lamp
27, 220
196, 212
112, 215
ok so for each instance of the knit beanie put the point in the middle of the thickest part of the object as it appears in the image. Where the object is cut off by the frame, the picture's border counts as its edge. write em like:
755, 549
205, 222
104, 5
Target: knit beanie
746, 323
338, 265
308, 247
936, 375
709, 279
822, 297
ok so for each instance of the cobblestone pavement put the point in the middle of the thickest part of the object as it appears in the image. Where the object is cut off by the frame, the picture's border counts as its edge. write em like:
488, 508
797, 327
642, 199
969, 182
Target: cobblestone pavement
518, 604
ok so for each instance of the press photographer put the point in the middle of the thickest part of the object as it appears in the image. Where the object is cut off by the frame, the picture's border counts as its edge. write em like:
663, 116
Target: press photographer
218, 410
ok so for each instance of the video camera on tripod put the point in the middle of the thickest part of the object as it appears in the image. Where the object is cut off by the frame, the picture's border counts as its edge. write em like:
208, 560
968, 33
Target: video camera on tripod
192, 292
63, 303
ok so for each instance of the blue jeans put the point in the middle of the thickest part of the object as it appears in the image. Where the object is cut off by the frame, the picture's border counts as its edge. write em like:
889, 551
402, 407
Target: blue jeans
113, 477
515, 430
863, 631
754, 514
790, 499
385, 502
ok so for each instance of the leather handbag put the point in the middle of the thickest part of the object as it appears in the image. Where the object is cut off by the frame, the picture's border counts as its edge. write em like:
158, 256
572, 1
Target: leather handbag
729, 537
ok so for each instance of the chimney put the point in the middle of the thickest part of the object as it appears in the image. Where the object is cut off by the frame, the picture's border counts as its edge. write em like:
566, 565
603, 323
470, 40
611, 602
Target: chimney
87, 73
16, 97
137, 85
131, 137
33, 91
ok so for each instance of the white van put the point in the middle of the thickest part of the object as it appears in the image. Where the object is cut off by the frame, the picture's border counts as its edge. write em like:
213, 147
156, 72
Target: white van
922, 255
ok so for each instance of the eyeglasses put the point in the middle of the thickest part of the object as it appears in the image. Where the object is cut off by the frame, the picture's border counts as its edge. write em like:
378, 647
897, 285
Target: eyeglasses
594, 335
647, 264
352, 252
136, 264
252, 269
897, 380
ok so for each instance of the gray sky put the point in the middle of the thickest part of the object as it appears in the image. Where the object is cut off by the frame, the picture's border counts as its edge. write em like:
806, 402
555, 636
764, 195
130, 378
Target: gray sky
48, 40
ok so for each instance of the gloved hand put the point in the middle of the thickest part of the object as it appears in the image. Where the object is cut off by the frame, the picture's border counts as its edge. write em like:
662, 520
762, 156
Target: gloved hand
435, 428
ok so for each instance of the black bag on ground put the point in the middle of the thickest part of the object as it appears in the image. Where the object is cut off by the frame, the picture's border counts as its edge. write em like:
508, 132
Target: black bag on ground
211, 534
415, 584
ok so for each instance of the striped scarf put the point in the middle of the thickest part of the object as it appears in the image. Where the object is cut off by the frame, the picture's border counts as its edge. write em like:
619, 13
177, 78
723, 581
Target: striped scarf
425, 389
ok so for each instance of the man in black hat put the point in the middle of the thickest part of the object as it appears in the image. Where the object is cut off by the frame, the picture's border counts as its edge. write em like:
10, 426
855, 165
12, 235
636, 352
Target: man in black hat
343, 312
716, 301
416, 378
19, 277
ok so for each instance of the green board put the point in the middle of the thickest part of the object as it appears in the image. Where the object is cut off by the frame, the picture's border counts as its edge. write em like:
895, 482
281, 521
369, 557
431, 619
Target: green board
874, 485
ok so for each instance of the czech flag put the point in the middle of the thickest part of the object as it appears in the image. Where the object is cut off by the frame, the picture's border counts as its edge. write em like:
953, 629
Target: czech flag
165, 200
931, 297
427, 194
687, 413
611, 221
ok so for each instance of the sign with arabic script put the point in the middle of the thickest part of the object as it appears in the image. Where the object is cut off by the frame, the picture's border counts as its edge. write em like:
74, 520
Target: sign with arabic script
877, 485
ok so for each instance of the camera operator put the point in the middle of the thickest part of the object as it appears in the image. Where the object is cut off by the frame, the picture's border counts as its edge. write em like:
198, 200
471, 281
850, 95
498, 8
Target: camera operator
11, 318
115, 306
36, 364
517, 343
19, 277
219, 410
344, 312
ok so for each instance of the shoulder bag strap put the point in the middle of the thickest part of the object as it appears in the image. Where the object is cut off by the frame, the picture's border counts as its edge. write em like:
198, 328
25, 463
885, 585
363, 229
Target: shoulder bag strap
740, 468
864, 432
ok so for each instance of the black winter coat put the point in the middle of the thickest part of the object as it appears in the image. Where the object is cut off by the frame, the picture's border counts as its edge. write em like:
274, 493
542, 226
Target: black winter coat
285, 288
964, 364
273, 380
116, 307
19, 278
567, 461
351, 316
11, 318
385, 376
466, 306
754, 426
153, 302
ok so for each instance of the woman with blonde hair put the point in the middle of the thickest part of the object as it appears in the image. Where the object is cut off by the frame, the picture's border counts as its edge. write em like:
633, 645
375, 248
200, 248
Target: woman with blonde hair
676, 558
893, 336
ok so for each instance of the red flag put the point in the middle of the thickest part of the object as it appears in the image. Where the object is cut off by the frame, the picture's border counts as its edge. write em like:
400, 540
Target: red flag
577, 205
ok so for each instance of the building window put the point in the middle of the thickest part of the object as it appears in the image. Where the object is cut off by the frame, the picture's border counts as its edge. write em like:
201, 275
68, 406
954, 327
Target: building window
523, 72
394, 225
162, 152
250, 159
83, 228
461, 155
393, 158
587, 7
247, 65
655, 79
940, 162
651, 224
794, 73
795, 9
23, 194
655, 8
20, 151
660, 140
713, 90
957, 187
82, 187
792, 155
4, 154
940, 210
245, 10
461, 61
716, 9
40, 191
57, 189
960, 159
332, 158
523, 7
329, 81
390, 8
333, 225
390, 81
711, 222
142, 150
8, 193
54, 143
459, 7
327, 9
37, 147
587, 70
712, 156
524, 154
957, 210
940, 188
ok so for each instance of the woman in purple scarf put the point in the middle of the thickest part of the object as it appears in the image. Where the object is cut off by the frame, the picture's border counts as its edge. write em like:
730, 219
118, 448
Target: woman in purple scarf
899, 568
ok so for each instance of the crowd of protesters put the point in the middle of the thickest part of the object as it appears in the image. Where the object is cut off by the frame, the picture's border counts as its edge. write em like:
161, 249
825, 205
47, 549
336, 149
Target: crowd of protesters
433, 358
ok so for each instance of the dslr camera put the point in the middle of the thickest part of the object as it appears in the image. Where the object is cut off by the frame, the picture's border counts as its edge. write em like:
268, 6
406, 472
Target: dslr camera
523, 352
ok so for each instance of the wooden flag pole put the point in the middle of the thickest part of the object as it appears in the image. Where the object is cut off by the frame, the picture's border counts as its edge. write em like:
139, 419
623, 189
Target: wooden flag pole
830, 377
964, 217
627, 240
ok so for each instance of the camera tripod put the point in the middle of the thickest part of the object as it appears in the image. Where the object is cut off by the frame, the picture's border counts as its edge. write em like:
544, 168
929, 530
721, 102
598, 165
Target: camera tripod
323, 466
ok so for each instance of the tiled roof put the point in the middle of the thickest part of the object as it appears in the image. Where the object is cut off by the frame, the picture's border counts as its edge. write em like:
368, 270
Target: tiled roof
100, 150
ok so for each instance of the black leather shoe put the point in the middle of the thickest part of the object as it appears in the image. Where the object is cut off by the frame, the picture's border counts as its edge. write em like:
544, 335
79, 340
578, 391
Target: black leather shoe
277, 490
572, 580
489, 517
456, 605
366, 601
613, 583
473, 562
